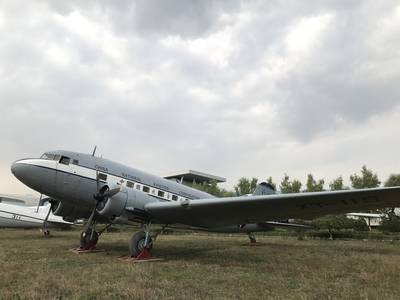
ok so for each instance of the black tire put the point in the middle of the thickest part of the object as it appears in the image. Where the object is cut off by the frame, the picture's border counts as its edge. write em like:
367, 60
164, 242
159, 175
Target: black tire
89, 240
136, 244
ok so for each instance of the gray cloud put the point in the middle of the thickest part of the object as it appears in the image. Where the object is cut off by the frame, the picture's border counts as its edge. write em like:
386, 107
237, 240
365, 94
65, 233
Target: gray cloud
235, 88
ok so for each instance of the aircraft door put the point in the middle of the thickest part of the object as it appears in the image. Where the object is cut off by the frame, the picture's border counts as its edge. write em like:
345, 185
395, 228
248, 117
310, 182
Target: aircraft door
67, 182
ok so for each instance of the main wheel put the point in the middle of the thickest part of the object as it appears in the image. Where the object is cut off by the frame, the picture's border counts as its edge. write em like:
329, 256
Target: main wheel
137, 243
89, 239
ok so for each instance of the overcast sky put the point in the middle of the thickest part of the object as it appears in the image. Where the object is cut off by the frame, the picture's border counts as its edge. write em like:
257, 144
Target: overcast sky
232, 88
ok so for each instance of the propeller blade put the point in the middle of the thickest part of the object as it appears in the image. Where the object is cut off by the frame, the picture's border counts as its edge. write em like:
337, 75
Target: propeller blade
113, 192
97, 181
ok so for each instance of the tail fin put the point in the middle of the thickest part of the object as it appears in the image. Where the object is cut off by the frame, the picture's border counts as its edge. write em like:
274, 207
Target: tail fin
264, 188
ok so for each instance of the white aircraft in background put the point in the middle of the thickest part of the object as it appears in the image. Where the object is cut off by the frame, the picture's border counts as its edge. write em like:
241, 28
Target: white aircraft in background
13, 214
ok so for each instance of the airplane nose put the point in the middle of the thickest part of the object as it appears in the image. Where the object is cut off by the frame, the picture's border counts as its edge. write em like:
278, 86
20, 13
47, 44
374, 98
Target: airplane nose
27, 173
20, 170
15, 169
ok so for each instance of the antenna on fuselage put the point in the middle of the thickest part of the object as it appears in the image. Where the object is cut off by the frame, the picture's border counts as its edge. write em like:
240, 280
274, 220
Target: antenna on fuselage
94, 150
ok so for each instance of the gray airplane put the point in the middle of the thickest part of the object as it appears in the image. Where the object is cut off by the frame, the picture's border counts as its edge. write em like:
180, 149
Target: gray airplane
85, 186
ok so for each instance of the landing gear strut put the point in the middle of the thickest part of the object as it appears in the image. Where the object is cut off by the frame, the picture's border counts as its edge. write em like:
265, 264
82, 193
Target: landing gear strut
252, 238
90, 236
45, 230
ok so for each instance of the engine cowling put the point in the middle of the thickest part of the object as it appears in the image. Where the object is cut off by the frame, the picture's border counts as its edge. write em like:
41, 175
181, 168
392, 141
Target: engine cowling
66, 210
113, 207
124, 205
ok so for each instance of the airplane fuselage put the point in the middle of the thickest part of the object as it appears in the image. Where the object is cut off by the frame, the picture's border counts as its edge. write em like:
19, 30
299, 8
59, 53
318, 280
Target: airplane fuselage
74, 178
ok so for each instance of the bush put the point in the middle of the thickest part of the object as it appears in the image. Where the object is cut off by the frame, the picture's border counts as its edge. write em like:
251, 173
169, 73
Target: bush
391, 223
340, 222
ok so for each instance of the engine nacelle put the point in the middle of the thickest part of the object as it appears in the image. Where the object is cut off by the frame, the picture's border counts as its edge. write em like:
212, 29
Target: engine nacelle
66, 210
114, 206
126, 204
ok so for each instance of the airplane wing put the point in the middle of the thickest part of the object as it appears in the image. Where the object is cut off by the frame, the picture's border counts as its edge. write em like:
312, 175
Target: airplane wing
217, 212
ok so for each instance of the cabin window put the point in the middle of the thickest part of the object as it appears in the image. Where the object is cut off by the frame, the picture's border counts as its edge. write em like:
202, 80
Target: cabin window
138, 187
57, 157
64, 160
174, 197
146, 189
102, 176
129, 184
75, 162
160, 194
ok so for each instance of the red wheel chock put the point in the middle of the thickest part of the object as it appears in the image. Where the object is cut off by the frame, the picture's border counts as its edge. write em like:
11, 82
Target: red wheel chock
143, 256
80, 250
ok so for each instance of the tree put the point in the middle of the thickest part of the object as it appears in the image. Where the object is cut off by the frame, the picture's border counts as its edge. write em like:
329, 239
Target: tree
246, 186
288, 186
390, 223
337, 184
269, 180
367, 179
393, 180
339, 222
213, 189
313, 186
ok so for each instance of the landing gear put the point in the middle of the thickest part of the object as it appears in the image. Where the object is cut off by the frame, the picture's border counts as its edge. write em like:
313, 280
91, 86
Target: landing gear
252, 238
89, 239
139, 243
45, 231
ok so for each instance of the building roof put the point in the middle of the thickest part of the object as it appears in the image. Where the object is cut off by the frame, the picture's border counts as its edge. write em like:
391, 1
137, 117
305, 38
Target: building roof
194, 176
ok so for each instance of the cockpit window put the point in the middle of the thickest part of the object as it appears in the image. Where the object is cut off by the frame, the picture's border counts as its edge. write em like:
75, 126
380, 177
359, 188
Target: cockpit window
64, 160
50, 156
47, 156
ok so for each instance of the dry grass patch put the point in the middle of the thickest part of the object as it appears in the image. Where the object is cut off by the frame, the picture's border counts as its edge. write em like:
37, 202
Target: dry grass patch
198, 266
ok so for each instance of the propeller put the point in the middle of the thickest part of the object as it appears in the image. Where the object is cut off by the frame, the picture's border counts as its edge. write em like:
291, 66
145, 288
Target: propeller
102, 200
101, 197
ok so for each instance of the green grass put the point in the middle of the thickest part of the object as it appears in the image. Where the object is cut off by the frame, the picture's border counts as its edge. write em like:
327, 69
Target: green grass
198, 266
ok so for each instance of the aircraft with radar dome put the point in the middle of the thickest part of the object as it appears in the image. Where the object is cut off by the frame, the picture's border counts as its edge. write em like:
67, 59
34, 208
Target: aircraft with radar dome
84, 186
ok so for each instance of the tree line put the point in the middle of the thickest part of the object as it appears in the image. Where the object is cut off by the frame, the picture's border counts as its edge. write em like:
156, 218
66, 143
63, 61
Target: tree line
365, 179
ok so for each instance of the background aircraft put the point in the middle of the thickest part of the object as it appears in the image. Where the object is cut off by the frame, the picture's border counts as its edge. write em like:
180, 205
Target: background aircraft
20, 216
86, 186
23, 200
